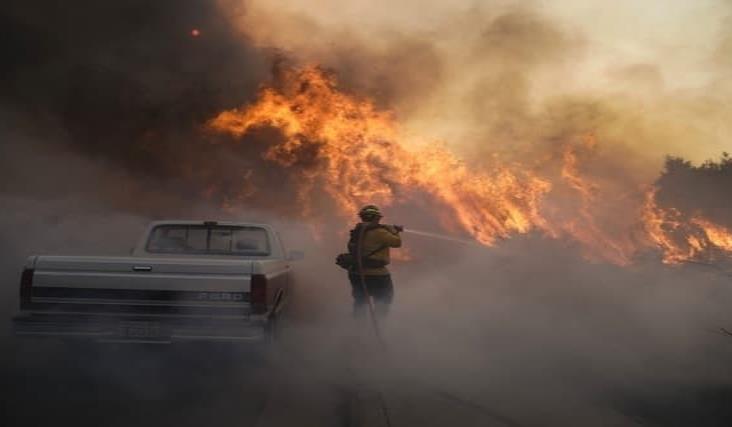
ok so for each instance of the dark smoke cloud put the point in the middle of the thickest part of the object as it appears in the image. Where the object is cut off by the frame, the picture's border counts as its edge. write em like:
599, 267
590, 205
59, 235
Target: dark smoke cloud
124, 86
130, 57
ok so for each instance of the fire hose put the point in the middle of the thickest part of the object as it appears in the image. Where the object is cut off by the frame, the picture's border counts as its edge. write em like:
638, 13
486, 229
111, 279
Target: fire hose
372, 315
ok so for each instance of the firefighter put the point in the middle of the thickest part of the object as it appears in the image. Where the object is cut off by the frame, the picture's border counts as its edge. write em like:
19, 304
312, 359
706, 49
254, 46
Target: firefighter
370, 241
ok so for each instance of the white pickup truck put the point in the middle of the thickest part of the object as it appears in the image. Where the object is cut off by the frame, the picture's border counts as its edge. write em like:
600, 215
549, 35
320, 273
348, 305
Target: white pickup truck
185, 280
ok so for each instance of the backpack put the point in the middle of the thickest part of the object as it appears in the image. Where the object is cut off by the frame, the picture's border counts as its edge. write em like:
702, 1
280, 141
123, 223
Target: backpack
349, 260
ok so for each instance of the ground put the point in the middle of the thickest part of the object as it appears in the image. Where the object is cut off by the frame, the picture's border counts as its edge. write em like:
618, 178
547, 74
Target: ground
122, 385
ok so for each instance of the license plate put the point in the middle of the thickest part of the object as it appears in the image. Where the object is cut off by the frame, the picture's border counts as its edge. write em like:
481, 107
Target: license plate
141, 330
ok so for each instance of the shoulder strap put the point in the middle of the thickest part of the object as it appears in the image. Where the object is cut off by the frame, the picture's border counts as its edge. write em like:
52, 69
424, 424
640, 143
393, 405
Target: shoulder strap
375, 250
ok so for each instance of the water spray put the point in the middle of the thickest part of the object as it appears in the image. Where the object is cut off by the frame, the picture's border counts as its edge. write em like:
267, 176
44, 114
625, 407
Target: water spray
443, 237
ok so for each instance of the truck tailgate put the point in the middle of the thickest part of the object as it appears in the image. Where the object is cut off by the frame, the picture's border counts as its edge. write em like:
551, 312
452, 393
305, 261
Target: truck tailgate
150, 286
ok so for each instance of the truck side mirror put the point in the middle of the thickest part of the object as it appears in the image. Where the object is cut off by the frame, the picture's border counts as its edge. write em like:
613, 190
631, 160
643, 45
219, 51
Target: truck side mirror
295, 255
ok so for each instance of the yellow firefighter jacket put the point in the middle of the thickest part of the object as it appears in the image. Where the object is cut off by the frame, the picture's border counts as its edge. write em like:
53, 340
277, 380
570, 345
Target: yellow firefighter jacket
384, 236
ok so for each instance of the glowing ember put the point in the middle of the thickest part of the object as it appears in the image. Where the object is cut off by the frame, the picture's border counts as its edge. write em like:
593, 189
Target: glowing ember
195, 32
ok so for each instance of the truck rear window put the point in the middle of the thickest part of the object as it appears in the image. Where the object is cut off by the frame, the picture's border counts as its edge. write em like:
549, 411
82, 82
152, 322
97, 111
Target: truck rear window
210, 240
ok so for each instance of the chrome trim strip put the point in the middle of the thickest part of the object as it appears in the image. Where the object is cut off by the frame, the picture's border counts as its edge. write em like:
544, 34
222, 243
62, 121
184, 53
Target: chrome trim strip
246, 317
125, 341
20, 332
64, 300
217, 337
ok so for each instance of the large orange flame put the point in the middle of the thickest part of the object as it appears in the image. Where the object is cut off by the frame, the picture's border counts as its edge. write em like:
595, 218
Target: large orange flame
343, 146
362, 157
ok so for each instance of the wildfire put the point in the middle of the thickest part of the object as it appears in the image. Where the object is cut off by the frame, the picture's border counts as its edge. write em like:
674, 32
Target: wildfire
360, 157
341, 146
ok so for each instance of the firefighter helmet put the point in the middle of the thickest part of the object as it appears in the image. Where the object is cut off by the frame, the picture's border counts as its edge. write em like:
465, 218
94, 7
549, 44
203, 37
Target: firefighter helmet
369, 212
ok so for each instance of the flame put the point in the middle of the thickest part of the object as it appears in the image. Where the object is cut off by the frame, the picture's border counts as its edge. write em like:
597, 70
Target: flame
582, 227
362, 156
342, 147
716, 235
681, 239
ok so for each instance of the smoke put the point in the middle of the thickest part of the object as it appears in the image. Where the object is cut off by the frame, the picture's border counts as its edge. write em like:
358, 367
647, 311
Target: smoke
573, 342
124, 87
495, 76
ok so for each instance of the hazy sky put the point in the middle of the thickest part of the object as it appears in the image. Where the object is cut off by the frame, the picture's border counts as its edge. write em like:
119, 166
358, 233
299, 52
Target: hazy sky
680, 34
656, 62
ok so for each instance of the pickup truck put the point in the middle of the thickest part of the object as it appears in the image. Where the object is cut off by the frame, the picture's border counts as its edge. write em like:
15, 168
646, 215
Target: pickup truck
185, 281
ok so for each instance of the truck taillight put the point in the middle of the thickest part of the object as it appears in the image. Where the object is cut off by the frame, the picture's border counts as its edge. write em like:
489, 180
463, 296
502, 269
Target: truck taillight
26, 287
258, 293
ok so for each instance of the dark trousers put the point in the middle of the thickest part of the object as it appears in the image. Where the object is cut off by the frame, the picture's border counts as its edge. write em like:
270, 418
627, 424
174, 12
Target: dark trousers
379, 288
